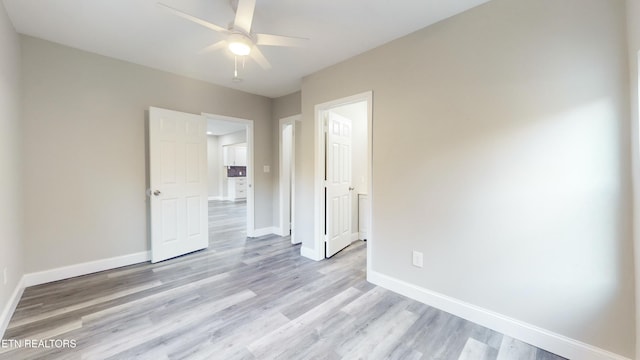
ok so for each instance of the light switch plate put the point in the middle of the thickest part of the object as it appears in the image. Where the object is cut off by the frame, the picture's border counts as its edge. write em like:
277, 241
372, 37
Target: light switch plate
417, 259
267, 168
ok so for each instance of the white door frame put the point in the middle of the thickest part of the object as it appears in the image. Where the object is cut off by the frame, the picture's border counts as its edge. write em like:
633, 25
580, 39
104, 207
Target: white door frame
251, 228
291, 120
319, 207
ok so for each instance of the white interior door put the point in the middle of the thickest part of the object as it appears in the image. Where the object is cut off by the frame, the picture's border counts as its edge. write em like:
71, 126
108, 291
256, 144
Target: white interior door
338, 184
178, 180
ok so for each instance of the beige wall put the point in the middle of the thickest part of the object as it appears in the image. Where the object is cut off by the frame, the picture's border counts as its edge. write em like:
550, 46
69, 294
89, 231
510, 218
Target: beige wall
283, 107
84, 164
513, 118
286, 106
11, 255
633, 27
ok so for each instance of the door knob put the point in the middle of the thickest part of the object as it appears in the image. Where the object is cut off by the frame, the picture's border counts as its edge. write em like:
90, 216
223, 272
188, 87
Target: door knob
157, 193
351, 188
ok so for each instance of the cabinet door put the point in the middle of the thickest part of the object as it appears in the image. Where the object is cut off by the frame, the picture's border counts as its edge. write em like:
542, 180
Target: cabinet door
231, 189
229, 155
240, 156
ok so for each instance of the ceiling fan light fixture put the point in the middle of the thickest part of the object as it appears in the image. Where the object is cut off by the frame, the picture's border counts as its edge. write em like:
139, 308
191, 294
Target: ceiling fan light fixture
239, 45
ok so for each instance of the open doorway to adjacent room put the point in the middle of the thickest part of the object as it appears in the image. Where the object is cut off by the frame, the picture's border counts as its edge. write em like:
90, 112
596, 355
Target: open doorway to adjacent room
230, 175
343, 173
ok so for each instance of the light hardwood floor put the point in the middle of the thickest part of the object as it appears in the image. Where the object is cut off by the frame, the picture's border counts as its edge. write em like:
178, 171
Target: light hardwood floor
246, 299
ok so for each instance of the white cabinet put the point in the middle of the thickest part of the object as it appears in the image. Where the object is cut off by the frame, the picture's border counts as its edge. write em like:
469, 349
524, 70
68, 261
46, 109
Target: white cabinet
241, 155
235, 155
237, 188
229, 154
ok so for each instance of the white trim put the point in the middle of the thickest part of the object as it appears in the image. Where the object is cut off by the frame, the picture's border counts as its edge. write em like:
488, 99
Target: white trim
635, 173
355, 236
279, 231
284, 229
294, 238
318, 208
536, 336
10, 307
370, 195
90, 267
273, 230
216, 198
310, 253
65, 272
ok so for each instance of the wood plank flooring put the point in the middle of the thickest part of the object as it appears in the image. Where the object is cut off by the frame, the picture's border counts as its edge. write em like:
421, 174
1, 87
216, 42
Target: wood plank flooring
246, 299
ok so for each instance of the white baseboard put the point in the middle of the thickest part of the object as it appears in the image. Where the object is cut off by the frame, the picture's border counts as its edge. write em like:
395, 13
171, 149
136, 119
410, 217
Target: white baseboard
10, 307
66, 272
62, 273
310, 253
536, 336
355, 236
282, 232
265, 231
279, 231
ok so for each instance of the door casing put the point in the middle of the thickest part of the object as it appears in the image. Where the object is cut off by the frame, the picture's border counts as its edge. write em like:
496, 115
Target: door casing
283, 229
317, 253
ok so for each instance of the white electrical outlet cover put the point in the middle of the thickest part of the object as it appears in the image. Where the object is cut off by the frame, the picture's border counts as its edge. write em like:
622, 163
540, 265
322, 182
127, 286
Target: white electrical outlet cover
417, 259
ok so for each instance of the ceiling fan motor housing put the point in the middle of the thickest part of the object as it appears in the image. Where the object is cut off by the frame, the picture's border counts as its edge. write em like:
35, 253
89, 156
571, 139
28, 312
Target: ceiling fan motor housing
240, 44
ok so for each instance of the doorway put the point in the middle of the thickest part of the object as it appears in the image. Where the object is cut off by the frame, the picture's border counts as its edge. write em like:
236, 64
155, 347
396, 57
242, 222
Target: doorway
287, 130
230, 165
343, 173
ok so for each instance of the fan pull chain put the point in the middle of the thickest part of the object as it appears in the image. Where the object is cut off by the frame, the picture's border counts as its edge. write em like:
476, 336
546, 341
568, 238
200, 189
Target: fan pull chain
236, 78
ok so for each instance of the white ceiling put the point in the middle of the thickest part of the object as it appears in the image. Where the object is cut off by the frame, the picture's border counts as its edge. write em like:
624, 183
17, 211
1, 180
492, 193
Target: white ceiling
223, 127
139, 31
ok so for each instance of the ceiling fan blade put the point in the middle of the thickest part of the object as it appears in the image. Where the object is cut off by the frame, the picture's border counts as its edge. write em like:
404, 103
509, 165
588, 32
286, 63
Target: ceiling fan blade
195, 19
279, 40
259, 57
244, 15
213, 47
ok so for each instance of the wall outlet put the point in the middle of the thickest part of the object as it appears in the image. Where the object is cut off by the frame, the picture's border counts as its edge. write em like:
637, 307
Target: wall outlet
4, 276
267, 168
417, 259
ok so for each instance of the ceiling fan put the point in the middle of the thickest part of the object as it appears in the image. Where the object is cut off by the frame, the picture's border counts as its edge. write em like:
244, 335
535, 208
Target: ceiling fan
241, 41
